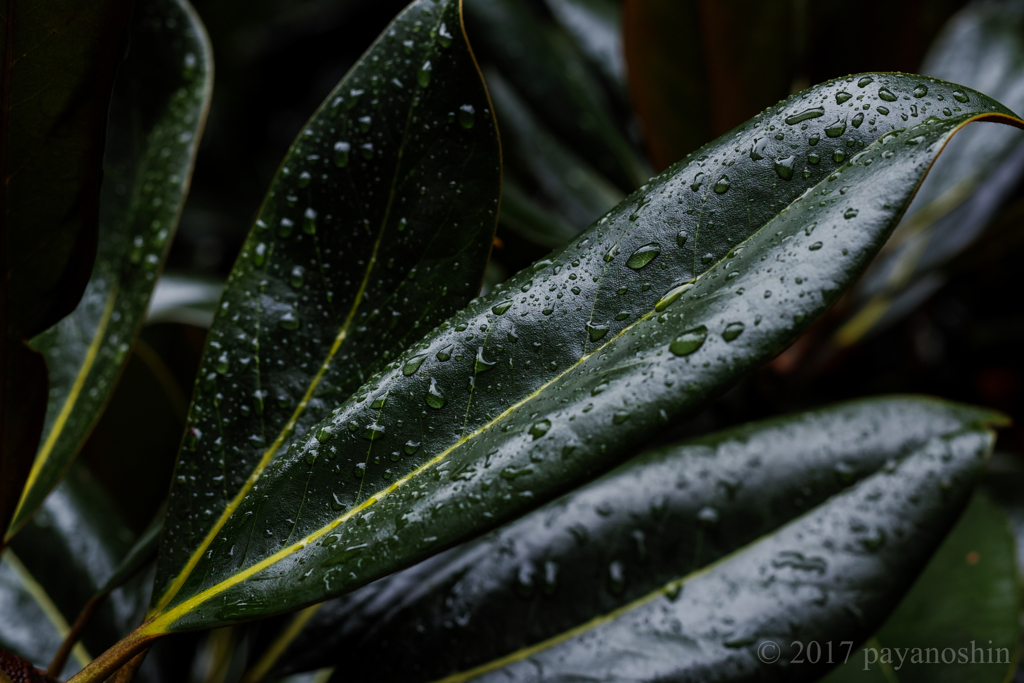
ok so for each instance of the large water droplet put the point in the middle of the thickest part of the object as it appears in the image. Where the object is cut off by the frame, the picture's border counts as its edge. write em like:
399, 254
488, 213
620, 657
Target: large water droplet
467, 116
865, 81
304, 179
842, 97
837, 128
732, 331
807, 114
445, 353
423, 77
324, 434
482, 364
921, 90
297, 277
886, 95
784, 167
689, 341
341, 150
960, 96
435, 398
672, 295
289, 321
501, 307
722, 185
309, 224
444, 36
616, 577
413, 364
644, 255
540, 428
597, 332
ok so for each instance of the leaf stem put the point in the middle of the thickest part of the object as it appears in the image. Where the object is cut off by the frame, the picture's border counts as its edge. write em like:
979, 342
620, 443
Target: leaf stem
113, 659
74, 635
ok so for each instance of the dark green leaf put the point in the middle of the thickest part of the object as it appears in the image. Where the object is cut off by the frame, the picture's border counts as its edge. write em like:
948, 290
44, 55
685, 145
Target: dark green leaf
960, 621
981, 47
63, 557
524, 216
156, 118
638, 529
595, 27
185, 299
22, 411
562, 180
59, 66
556, 82
697, 279
376, 229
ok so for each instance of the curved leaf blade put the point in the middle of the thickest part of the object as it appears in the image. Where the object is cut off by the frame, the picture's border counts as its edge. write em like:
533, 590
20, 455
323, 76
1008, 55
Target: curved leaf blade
157, 113
59, 66
967, 601
64, 555
635, 530
377, 227
434, 450
595, 26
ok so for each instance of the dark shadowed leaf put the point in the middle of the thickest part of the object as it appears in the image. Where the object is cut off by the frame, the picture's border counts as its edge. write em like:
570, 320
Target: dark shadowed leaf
559, 178
59, 66
559, 374
960, 621
157, 113
981, 47
640, 528
556, 82
595, 26
64, 555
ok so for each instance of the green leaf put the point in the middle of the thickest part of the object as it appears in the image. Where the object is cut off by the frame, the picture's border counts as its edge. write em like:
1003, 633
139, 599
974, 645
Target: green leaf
22, 411
376, 229
157, 113
556, 82
659, 517
526, 217
563, 180
64, 556
981, 47
560, 373
965, 607
185, 299
595, 27
59, 66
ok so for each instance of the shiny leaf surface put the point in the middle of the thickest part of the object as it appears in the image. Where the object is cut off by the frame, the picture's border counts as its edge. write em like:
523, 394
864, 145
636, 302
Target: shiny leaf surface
960, 621
663, 515
695, 280
377, 228
157, 113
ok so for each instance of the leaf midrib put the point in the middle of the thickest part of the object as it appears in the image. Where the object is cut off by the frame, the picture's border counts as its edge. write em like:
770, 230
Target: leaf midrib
286, 431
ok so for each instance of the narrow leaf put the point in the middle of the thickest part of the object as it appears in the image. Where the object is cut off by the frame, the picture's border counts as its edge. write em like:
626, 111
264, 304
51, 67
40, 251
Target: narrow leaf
642, 527
981, 47
595, 26
157, 113
59, 65
709, 271
376, 229
961, 620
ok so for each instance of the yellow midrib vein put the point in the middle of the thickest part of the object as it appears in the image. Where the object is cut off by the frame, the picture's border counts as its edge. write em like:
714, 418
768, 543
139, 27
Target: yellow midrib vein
286, 431
43, 456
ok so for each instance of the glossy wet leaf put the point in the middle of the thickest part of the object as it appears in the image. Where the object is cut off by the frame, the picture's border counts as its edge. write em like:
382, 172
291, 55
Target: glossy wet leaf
64, 555
449, 438
981, 47
637, 530
58, 70
377, 228
157, 114
556, 82
185, 299
965, 605
560, 178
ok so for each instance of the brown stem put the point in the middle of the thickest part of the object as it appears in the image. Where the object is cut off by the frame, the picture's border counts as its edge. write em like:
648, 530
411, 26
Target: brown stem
74, 635
127, 672
113, 659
